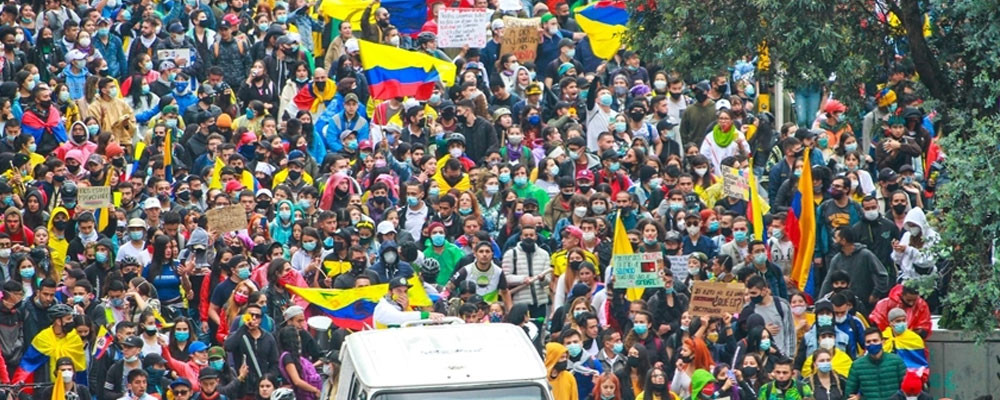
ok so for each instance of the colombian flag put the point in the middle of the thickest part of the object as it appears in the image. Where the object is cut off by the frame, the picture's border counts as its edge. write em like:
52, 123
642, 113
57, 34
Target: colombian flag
801, 226
604, 22
757, 207
910, 347
46, 348
394, 72
353, 308
407, 15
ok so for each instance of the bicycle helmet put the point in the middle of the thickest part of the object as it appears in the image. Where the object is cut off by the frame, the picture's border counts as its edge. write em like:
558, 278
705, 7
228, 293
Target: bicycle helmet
430, 265
59, 310
425, 37
283, 394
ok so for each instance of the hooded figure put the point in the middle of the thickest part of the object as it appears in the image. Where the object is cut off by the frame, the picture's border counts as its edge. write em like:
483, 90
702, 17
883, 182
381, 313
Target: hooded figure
32, 220
334, 198
77, 131
58, 245
562, 382
389, 264
915, 259
281, 226
702, 384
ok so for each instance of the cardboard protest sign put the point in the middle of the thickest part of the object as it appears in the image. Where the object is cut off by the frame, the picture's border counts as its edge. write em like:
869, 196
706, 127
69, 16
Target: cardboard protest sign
637, 270
459, 27
173, 54
734, 184
94, 197
227, 219
715, 298
521, 37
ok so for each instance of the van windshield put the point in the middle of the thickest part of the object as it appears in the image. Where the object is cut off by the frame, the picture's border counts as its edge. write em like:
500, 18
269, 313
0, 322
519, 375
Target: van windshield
532, 392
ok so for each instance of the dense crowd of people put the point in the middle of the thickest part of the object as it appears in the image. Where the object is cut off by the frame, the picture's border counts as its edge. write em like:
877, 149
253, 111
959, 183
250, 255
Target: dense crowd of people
500, 193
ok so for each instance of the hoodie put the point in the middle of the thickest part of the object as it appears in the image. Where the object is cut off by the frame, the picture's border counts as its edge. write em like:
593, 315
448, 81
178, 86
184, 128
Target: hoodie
699, 379
563, 385
387, 271
915, 262
281, 230
86, 147
869, 277
58, 245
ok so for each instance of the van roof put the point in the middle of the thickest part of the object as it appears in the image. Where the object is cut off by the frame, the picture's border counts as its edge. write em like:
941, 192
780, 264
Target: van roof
443, 355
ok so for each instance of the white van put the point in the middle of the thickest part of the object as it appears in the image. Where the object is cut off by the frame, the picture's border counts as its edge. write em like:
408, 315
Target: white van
454, 361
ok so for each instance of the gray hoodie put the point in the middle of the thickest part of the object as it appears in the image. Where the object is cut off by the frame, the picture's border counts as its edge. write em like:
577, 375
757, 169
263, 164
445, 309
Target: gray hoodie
868, 275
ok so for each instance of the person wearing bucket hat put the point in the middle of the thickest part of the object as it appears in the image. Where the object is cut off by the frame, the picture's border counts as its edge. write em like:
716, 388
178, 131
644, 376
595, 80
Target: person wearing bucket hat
394, 308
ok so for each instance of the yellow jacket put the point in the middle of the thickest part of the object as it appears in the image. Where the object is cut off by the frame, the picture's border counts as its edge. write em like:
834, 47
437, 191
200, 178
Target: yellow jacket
58, 246
559, 262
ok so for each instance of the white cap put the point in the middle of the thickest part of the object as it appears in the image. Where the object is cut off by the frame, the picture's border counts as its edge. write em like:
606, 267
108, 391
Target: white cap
722, 103
496, 24
351, 45
264, 192
385, 227
151, 202
74, 55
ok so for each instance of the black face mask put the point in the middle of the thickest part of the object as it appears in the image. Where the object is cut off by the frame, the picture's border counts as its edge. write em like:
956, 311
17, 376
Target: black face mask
575, 265
320, 85
688, 358
749, 372
899, 208
637, 115
196, 193
60, 225
184, 196
357, 266
658, 387
118, 162
45, 104
675, 96
726, 231
560, 366
528, 245
585, 188
700, 97
633, 362
294, 175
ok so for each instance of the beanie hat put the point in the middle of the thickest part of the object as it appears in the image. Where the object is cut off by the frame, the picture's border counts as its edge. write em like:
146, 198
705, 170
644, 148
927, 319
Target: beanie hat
896, 313
912, 384
547, 17
885, 97
224, 121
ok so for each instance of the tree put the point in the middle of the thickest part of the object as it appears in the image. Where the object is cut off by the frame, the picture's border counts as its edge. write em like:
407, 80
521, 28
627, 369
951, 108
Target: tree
958, 65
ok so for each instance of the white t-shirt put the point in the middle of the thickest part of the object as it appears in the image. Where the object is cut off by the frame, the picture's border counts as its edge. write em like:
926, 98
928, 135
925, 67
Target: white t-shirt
138, 253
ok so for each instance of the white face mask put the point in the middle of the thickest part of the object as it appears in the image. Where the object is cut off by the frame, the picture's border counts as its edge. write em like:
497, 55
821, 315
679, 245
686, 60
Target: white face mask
827, 343
871, 215
914, 231
580, 211
700, 171
588, 236
67, 376
455, 152
84, 42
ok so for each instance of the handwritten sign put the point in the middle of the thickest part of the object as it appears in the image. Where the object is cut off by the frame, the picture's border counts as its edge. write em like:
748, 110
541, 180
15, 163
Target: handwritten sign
637, 270
459, 27
521, 37
173, 54
679, 267
715, 298
735, 184
227, 219
94, 197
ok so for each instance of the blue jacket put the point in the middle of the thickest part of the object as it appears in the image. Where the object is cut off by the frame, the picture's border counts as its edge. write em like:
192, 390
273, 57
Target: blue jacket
75, 82
704, 245
401, 268
114, 54
337, 124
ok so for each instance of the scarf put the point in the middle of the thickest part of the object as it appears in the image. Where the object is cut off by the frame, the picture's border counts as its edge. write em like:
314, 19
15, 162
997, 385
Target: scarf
724, 139
326, 95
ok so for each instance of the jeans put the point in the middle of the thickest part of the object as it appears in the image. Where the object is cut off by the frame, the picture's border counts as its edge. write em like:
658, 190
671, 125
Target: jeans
806, 104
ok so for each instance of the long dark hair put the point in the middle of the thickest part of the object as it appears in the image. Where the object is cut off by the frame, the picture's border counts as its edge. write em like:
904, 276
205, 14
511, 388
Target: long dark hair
135, 91
217, 266
288, 341
175, 350
647, 386
160, 244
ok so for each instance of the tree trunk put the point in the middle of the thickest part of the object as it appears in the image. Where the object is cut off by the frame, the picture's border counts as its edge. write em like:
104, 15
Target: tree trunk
912, 18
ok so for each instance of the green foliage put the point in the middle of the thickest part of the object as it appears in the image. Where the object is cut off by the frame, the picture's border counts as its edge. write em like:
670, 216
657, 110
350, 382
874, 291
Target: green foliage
969, 206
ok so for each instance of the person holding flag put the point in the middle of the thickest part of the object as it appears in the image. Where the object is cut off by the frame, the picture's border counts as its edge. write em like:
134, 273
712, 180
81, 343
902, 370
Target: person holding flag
52, 343
394, 308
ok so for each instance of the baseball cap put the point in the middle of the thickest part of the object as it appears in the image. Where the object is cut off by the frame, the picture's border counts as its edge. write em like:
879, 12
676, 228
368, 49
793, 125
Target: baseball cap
151, 202
132, 341
292, 312
385, 227
208, 373
197, 346
532, 89
721, 104
887, 174
216, 352
585, 175
398, 282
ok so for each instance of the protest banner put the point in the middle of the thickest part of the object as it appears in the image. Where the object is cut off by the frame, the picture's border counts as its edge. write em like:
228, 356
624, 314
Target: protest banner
637, 270
458, 27
227, 219
735, 184
173, 54
521, 38
715, 298
679, 266
94, 197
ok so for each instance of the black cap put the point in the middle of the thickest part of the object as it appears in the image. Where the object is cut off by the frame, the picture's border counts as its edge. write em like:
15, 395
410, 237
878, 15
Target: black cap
476, 300
906, 168
566, 182
152, 359
208, 373
804, 133
823, 305
576, 141
132, 341
398, 282
825, 329
609, 154
887, 174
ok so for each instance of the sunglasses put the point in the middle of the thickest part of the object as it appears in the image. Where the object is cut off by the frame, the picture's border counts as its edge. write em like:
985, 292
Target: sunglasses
255, 315
182, 392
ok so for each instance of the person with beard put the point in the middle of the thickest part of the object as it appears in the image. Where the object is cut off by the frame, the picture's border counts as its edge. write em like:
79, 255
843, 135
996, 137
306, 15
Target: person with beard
786, 387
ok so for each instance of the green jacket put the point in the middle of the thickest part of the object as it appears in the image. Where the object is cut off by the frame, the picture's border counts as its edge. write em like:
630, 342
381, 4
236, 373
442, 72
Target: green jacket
448, 259
876, 379
798, 391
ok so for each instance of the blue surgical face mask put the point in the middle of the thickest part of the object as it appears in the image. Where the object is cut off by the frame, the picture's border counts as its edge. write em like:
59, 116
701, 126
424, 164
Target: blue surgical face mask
504, 177
606, 100
437, 240
765, 344
520, 180
614, 166
640, 329
135, 235
618, 348
309, 246
713, 226
412, 201
182, 336
874, 349
824, 320
434, 191
243, 273
899, 327
217, 364
740, 236
574, 349
824, 366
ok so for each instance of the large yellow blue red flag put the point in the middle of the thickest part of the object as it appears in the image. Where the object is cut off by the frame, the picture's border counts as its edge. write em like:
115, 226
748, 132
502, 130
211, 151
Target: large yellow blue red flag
605, 23
801, 225
353, 308
756, 205
393, 72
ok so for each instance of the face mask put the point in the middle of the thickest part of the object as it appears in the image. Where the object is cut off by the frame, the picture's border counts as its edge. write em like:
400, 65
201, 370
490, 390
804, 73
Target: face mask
504, 177
597, 208
824, 366
760, 258
85, 42
740, 236
5, 253
135, 235
606, 100
827, 343
217, 364
78, 299
693, 230
560, 366
618, 348
309, 246
588, 236
492, 189
521, 180
620, 126
899, 327
434, 192
240, 298
874, 349
117, 303
132, 359
389, 257
437, 240
534, 119
765, 344
640, 329
150, 330
182, 336
798, 310
243, 273
840, 320
67, 376
700, 171
63, 96
899, 208
914, 231
824, 320
455, 152
574, 349
515, 139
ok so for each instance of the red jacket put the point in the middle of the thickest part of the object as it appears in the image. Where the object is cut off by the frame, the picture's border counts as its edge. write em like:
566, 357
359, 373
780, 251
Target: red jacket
918, 316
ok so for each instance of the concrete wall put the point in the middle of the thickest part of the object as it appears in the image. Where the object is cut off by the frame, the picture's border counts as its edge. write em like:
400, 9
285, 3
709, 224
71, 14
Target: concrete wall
961, 369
